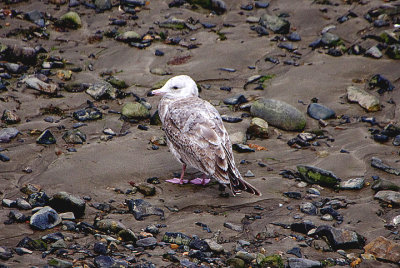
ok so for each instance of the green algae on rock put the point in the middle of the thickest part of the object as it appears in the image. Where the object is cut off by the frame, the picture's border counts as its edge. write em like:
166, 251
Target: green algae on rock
316, 175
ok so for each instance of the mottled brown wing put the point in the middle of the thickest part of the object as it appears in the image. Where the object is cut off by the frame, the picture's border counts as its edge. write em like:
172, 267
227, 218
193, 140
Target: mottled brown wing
195, 129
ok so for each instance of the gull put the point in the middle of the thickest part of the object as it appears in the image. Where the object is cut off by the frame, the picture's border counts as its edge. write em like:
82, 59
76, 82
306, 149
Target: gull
196, 135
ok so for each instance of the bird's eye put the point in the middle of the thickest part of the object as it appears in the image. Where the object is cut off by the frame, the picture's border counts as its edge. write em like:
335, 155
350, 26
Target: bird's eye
174, 87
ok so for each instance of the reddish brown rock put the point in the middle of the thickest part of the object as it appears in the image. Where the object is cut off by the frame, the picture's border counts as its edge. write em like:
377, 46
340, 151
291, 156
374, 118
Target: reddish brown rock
384, 249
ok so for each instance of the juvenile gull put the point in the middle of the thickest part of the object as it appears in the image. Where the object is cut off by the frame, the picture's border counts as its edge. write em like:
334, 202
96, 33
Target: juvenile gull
196, 135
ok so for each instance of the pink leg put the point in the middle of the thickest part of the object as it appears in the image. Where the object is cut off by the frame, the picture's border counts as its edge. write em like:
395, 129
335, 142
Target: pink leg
200, 181
179, 180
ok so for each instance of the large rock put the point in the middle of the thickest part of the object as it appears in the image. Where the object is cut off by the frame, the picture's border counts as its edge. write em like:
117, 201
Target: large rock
141, 208
383, 184
279, 114
135, 110
340, 238
316, 175
378, 163
46, 218
384, 249
364, 99
388, 196
65, 202
275, 24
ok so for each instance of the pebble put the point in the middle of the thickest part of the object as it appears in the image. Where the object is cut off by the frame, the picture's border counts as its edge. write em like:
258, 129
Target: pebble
214, 246
241, 148
5, 253
148, 242
319, 111
308, 208
146, 189
340, 238
135, 110
231, 119
234, 227
275, 24
56, 262
303, 263
10, 117
45, 218
70, 20
249, 174
373, 52
235, 100
246, 256
38, 199
109, 225
87, 114
8, 203
4, 158
377, 163
41, 86
22, 204
352, 184
46, 138
381, 184
388, 196
141, 208
65, 202
74, 136
7, 134
102, 90
364, 99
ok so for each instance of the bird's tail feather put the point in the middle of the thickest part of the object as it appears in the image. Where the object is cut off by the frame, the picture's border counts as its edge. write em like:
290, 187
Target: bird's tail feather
237, 183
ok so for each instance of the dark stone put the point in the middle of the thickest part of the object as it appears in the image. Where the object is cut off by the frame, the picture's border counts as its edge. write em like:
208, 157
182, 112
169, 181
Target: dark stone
340, 238
391, 130
294, 37
176, 238
148, 242
231, 119
46, 138
319, 111
104, 261
207, 25
5, 253
199, 244
235, 100
382, 184
302, 227
159, 53
65, 202
380, 138
146, 189
295, 251
100, 248
140, 209
39, 199
53, 237
87, 114
17, 216
308, 208
261, 30
31, 244
377, 163
294, 195
331, 211
4, 158
241, 148
259, 4
36, 17
380, 82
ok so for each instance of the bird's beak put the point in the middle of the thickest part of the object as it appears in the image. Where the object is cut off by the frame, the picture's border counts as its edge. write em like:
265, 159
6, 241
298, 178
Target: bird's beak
159, 92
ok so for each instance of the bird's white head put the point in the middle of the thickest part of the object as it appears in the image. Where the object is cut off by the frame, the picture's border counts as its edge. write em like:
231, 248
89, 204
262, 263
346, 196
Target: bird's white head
181, 86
